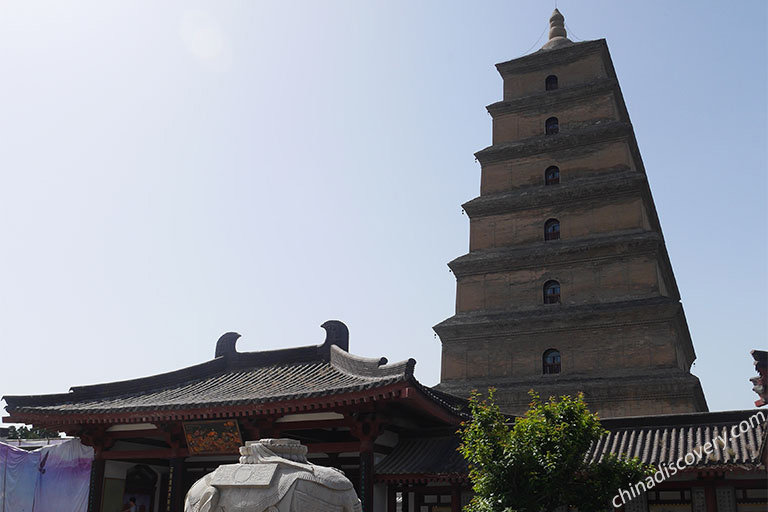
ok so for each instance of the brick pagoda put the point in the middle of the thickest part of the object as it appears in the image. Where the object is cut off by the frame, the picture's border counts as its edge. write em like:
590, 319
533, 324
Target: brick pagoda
567, 285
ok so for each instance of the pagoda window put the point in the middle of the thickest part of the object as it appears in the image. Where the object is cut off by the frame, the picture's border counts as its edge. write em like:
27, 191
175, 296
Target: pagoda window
551, 361
552, 229
550, 84
551, 292
552, 176
552, 126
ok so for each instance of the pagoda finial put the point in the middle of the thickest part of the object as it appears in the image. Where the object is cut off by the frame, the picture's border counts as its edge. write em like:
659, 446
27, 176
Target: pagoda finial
557, 25
557, 34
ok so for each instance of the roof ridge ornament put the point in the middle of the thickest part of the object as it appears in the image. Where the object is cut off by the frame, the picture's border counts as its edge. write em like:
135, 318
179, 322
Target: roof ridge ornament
558, 36
226, 344
336, 333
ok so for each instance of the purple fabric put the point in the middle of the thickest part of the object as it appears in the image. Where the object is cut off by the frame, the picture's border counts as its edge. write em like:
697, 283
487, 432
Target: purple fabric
51, 479
18, 474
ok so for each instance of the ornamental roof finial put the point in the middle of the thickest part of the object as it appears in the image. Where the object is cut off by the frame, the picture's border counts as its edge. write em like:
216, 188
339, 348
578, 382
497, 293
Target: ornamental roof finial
557, 34
557, 25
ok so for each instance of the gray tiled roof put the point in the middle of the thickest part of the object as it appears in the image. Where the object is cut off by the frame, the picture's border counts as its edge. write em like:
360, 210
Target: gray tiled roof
235, 378
653, 439
665, 439
426, 455
235, 387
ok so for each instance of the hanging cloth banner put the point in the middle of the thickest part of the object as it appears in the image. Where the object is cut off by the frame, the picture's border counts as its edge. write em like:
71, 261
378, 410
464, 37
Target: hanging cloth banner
18, 475
50, 479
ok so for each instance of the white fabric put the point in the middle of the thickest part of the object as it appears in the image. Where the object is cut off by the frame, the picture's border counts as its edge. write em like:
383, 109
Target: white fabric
50, 479
18, 475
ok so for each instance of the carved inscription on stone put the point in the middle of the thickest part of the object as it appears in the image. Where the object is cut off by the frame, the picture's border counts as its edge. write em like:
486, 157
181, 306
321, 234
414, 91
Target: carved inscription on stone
244, 475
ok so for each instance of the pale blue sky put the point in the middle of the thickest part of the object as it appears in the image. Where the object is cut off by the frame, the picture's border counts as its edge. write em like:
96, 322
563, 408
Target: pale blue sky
174, 170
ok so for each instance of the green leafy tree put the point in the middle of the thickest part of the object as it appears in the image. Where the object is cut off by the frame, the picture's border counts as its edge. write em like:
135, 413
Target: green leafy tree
25, 432
539, 464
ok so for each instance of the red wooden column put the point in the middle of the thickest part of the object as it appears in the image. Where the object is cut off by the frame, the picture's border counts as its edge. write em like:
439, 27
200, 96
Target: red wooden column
456, 498
366, 429
710, 496
96, 487
95, 437
175, 500
366, 474
173, 434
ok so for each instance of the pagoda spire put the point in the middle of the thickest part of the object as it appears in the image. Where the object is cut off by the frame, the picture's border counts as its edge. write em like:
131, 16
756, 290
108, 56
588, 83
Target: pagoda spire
557, 25
557, 34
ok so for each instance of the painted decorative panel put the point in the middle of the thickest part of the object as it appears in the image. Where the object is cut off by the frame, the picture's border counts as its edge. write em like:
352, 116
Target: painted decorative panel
213, 437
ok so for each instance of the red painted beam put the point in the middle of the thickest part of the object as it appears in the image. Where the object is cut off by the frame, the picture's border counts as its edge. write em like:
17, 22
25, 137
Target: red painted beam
128, 434
422, 478
350, 446
286, 426
160, 453
344, 447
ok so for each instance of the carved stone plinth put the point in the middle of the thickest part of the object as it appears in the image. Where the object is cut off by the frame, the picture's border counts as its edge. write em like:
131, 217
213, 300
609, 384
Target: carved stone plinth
273, 476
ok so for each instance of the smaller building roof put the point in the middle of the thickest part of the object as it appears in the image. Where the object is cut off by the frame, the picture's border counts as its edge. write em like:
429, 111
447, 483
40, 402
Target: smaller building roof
416, 458
653, 439
231, 380
666, 438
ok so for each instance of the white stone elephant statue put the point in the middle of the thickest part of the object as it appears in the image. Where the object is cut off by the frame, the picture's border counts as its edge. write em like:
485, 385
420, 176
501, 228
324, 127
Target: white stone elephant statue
273, 476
